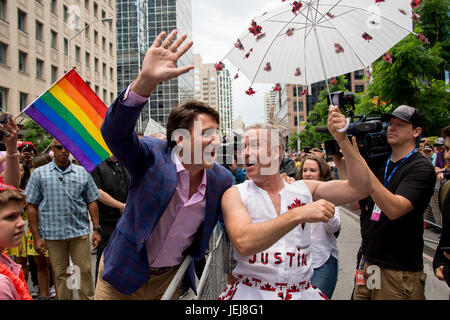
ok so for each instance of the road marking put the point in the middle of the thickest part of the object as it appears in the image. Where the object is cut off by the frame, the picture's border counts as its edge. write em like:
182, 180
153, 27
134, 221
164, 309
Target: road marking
428, 257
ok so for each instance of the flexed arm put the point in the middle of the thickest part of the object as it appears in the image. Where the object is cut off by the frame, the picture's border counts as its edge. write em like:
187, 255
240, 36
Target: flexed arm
250, 238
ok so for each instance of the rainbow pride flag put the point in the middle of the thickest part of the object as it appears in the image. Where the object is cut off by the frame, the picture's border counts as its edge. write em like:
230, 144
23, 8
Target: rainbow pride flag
73, 114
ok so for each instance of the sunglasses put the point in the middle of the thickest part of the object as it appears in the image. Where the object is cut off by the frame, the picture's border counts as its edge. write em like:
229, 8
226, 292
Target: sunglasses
58, 147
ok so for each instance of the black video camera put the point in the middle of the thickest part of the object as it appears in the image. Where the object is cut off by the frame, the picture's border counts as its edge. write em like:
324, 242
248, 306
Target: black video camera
370, 133
227, 152
344, 100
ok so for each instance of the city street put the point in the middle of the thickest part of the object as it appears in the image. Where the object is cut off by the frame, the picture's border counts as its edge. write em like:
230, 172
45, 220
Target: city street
348, 245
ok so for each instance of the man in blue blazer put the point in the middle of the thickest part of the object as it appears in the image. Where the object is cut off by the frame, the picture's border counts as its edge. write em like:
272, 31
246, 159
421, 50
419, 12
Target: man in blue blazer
176, 187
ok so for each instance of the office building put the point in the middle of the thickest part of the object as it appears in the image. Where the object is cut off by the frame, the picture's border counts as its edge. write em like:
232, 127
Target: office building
270, 100
132, 44
214, 88
35, 39
166, 15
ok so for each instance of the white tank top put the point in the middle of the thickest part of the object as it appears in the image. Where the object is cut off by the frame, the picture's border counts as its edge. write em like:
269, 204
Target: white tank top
288, 260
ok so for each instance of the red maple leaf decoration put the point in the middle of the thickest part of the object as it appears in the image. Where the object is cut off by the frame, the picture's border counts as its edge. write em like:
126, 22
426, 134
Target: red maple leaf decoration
333, 82
297, 203
219, 66
277, 88
378, 1
285, 296
415, 3
415, 16
250, 91
296, 6
323, 295
248, 53
293, 288
423, 38
298, 72
369, 74
247, 282
268, 67
290, 32
259, 37
387, 57
329, 14
238, 44
367, 36
267, 287
338, 48
236, 76
255, 29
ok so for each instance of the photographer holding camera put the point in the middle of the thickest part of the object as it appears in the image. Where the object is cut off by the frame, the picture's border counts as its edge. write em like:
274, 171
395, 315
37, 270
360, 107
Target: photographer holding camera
392, 217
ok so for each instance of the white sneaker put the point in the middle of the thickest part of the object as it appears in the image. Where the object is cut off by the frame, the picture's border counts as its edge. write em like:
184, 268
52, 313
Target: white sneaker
52, 292
35, 291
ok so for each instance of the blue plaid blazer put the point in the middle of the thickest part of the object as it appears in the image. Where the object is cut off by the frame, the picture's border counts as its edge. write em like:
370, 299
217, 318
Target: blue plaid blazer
153, 183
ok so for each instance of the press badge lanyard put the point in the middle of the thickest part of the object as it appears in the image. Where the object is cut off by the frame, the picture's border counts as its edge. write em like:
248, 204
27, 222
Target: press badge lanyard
376, 213
359, 278
396, 167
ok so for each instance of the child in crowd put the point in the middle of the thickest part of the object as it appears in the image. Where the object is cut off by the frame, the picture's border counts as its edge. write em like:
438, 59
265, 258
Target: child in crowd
12, 282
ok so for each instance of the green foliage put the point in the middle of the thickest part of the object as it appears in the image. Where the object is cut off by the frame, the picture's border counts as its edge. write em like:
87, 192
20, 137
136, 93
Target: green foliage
317, 117
37, 135
415, 76
308, 138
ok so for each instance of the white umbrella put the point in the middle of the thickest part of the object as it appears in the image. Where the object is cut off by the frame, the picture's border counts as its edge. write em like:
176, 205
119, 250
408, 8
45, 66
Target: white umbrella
304, 42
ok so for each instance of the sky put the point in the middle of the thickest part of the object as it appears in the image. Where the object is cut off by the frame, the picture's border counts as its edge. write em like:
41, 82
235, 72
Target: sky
216, 25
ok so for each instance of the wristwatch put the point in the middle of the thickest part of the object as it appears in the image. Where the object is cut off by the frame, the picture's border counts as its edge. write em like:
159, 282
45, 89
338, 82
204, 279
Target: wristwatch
98, 229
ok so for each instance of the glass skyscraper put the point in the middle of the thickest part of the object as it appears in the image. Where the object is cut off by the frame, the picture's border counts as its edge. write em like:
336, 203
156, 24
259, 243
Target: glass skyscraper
139, 22
166, 15
132, 41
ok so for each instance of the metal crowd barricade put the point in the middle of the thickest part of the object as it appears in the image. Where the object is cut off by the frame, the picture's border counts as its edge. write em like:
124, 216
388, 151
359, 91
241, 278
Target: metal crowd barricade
433, 215
213, 279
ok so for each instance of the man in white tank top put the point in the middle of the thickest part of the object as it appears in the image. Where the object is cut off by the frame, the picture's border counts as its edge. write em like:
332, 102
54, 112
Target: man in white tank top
268, 220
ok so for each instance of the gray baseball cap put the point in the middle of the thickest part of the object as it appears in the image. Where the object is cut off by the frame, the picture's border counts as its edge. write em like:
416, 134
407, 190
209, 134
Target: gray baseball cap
405, 113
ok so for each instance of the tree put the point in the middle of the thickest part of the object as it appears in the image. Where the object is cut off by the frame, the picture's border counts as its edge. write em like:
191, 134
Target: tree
37, 135
415, 75
308, 138
317, 117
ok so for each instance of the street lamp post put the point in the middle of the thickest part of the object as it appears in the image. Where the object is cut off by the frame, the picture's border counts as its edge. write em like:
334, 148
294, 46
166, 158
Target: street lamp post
109, 19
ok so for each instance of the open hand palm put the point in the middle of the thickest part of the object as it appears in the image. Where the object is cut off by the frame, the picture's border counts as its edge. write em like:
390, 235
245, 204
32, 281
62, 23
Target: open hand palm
160, 62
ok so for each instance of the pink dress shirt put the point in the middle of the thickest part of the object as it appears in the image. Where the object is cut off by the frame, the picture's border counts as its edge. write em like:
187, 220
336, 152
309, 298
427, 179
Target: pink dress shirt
179, 223
176, 229
7, 289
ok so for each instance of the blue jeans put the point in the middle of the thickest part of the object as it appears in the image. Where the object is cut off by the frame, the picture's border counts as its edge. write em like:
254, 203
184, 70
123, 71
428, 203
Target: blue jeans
325, 277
